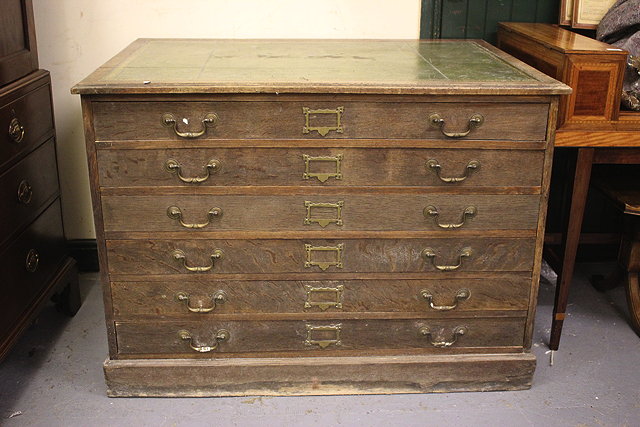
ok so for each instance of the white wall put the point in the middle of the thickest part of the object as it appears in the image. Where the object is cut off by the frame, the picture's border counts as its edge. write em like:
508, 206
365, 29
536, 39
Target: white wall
77, 36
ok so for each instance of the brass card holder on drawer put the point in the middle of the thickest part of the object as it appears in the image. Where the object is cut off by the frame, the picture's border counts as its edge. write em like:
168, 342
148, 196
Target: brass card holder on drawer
323, 222
468, 213
434, 165
439, 342
314, 331
322, 130
333, 297
429, 253
322, 176
310, 250
220, 336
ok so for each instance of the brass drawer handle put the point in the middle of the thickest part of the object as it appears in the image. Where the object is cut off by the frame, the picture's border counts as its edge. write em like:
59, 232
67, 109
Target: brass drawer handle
221, 335
218, 298
432, 211
310, 250
16, 130
323, 222
25, 192
32, 261
322, 176
322, 130
436, 121
169, 120
458, 331
462, 295
429, 253
179, 255
334, 293
174, 167
433, 165
175, 213
317, 335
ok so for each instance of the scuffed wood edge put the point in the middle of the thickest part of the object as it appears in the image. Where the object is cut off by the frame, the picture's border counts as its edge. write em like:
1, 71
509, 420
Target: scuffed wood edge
318, 375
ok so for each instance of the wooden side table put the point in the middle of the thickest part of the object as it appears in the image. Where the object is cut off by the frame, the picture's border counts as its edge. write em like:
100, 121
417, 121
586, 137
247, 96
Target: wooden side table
589, 120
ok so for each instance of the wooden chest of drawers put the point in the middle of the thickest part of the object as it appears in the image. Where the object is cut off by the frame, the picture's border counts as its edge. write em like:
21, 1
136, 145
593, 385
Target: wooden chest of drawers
318, 217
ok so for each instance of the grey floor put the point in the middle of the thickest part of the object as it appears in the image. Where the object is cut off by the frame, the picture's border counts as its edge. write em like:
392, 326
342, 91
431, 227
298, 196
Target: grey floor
53, 377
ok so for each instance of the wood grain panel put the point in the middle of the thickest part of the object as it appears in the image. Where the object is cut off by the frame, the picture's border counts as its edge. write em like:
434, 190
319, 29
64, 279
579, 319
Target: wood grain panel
289, 256
117, 121
328, 297
286, 166
35, 172
278, 336
355, 212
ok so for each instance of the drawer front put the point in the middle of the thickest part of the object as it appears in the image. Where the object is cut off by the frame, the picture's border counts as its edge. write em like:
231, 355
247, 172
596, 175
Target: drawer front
212, 338
447, 168
24, 123
25, 187
314, 119
28, 263
199, 300
342, 212
315, 256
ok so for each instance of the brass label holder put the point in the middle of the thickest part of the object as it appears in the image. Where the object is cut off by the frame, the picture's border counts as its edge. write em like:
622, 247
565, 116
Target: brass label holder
323, 342
334, 293
310, 250
322, 176
323, 222
322, 130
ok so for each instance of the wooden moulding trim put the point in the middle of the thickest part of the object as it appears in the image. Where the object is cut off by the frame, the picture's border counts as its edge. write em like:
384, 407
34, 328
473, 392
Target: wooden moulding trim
319, 375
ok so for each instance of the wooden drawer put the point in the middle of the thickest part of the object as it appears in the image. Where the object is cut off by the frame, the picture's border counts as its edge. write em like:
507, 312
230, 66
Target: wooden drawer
123, 120
316, 257
233, 298
28, 264
28, 118
320, 167
342, 212
219, 337
25, 187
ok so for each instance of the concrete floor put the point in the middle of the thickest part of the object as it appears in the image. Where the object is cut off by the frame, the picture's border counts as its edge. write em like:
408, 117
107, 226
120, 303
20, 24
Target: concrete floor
53, 377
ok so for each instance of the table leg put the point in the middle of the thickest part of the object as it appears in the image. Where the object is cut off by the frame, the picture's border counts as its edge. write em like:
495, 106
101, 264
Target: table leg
570, 240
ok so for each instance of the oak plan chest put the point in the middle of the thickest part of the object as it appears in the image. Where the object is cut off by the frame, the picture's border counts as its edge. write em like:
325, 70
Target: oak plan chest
318, 217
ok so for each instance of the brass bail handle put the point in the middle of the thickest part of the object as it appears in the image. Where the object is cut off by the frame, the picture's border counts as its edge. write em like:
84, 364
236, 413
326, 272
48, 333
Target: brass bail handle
458, 331
179, 255
436, 121
219, 297
468, 213
169, 120
462, 295
16, 130
175, 213
211, 167
429, 253
434, 165
25, 192
220, 336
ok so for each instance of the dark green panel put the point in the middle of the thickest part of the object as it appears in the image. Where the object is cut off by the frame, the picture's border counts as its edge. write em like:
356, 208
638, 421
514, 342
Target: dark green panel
454, 13
524, 11
497, 11
478, 19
